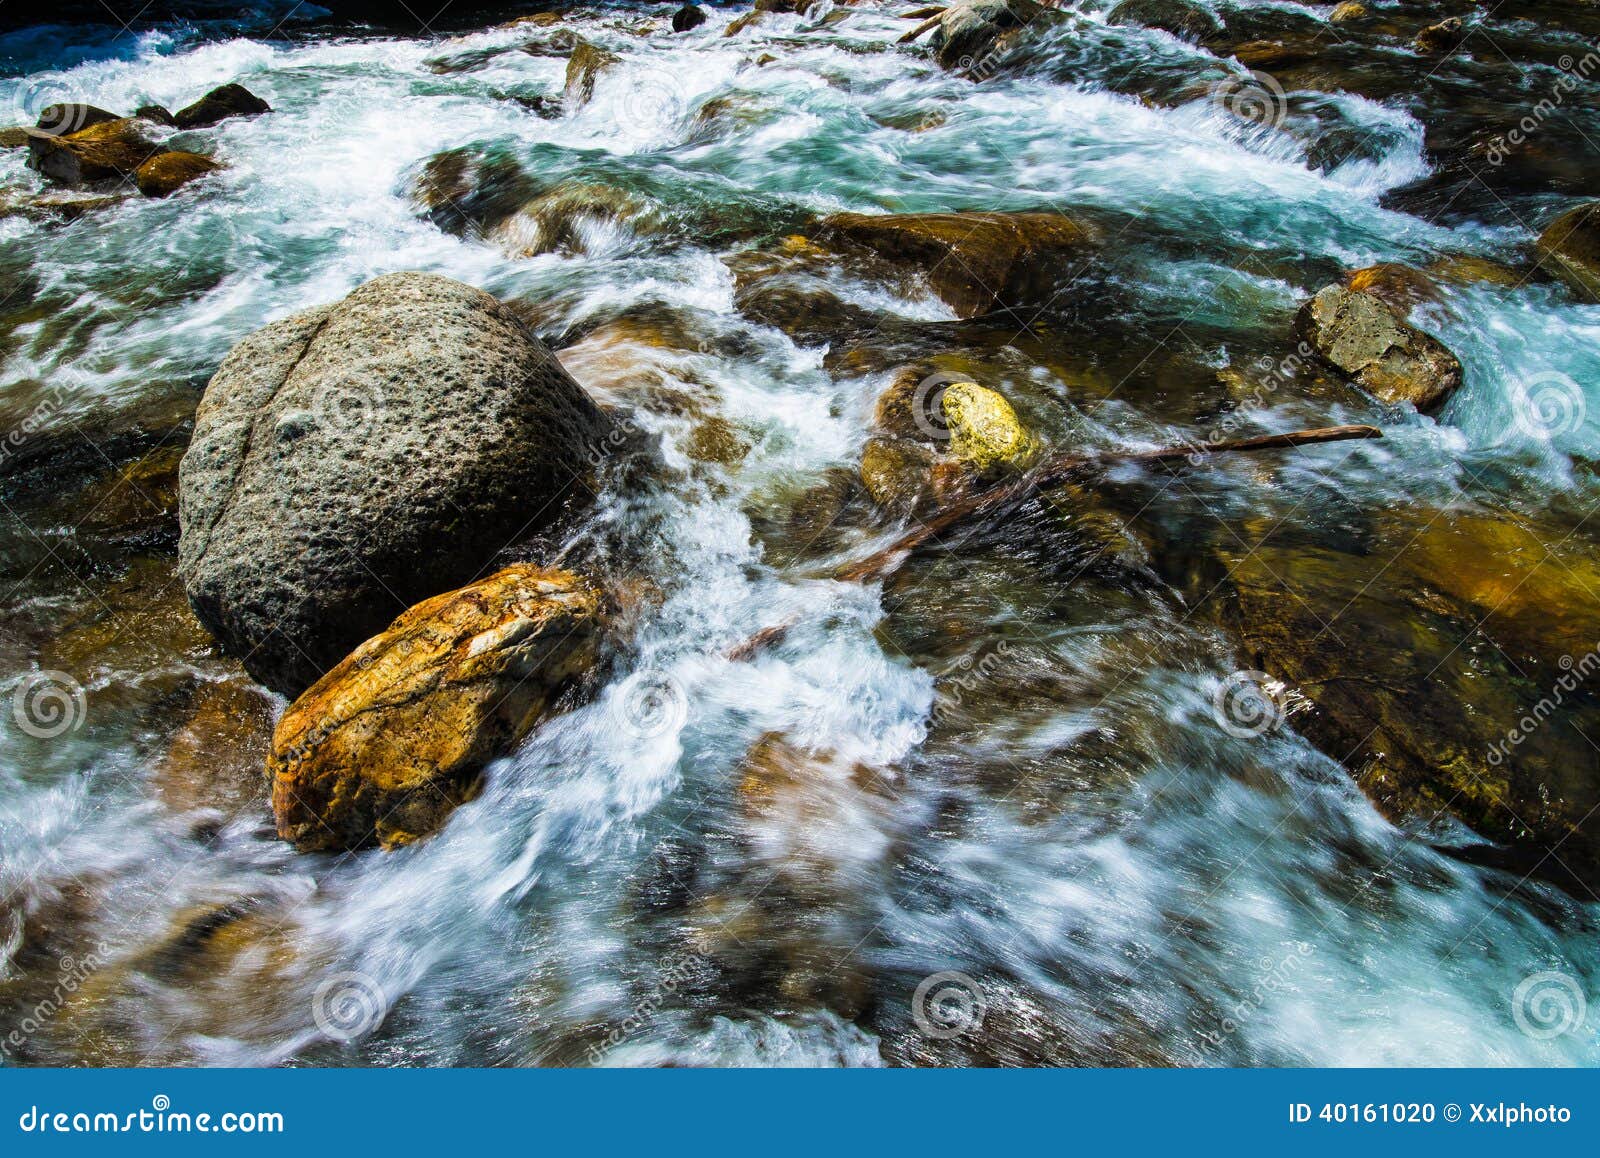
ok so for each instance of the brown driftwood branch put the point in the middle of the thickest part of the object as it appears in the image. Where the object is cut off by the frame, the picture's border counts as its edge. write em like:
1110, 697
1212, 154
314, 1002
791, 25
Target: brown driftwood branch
987, 503
930, 23
1059, 469
923, 13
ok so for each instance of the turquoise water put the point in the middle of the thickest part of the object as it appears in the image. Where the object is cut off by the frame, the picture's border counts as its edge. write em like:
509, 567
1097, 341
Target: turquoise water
1118, 880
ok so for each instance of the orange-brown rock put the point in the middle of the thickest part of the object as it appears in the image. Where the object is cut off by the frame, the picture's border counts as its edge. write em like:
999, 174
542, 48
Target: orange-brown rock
166, 173
976, 262
108, 151
382, 748
1399, 286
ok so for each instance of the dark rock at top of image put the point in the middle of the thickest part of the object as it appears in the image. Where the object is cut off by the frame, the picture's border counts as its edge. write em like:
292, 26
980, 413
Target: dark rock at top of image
354, 459
687, 17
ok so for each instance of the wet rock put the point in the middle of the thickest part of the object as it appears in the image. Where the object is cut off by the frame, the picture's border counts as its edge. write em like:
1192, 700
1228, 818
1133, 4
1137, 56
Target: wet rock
1384, 354
1181, 18
748, 20
897, 473
160, 114
976, 262
973, 35
1272, 55
584, 65
687, 17
1439, 611
1569, 247
1400, 287
388, 743
716, 440
230, 100
15, 138
71, 117
357, 458
560, 219
109, 151
166, 173
1347, 12
985, 433
1439, 39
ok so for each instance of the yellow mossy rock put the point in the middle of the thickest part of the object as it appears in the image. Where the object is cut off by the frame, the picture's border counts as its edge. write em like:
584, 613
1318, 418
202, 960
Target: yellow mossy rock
985, 432
382, 748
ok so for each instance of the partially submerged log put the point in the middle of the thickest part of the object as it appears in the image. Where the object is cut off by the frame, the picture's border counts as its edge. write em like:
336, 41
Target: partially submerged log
987, 504
1059, 469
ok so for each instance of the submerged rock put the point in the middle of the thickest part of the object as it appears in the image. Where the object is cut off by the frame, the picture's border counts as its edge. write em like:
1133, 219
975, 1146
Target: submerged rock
583, 67
1452, 666
166, 173
1382, 352
354, 459
1438, 39
230, 100
108, 151
1181, 18
976, 262
386, 745
1570, 248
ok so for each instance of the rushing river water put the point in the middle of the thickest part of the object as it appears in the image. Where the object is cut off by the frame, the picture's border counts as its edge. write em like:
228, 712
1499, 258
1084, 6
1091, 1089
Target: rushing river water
1015, 772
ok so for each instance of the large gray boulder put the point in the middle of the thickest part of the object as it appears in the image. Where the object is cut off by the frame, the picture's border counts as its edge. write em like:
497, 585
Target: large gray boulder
352, 460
